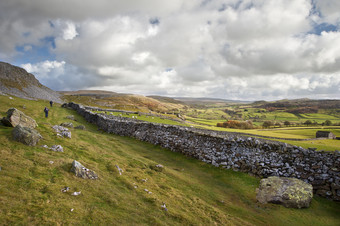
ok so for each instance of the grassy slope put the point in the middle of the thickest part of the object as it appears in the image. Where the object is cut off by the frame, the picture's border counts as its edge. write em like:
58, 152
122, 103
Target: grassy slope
126, 102
153, 119
195, 193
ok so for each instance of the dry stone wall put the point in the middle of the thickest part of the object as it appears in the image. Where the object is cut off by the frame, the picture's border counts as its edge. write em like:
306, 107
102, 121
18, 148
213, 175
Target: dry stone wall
259, 157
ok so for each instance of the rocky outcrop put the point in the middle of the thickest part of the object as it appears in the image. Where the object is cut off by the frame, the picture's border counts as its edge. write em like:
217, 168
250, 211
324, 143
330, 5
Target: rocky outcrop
15, 117
67, 124
18, 82
289, 192
26, 135
57, 148
80, 171
62, 131
258, 157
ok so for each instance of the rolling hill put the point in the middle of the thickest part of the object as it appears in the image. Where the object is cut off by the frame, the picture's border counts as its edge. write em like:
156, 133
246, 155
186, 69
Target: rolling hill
18, 82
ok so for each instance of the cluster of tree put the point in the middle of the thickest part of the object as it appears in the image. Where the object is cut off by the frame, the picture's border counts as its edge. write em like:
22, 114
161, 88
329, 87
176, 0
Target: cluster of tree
268, 124
236, 124
325, 123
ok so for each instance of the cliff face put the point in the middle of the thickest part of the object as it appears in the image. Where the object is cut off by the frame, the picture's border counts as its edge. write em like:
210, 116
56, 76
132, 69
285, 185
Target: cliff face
18, 82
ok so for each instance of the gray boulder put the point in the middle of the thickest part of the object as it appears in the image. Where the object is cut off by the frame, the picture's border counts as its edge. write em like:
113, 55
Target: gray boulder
62, 131
81, 127
57, 148
26, 135
15, 117
80, 171
289, 192
67, 124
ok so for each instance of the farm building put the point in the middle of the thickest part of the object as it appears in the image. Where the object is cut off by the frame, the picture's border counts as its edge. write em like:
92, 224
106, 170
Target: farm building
325, 134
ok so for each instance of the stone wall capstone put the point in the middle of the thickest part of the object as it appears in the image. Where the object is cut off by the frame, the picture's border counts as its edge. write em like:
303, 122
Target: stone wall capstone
262, 158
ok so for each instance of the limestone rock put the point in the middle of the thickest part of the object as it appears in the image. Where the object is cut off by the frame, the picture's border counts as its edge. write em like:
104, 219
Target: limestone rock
71, 117
81, 127
57, 148
67, 124
289, 192
26, 135
16, 117
158, 167
62, 131
80, 171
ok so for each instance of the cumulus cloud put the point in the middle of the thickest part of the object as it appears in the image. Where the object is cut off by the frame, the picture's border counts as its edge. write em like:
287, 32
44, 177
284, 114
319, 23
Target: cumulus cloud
60, 76
218, 48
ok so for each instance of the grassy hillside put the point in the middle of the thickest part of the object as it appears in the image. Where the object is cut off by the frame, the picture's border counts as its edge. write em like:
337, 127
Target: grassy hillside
194, 193
123, 101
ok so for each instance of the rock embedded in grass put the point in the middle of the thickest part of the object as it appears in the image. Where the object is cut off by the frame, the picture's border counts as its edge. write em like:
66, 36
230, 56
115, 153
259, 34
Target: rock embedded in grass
80, 171
26, 135
67, 124
62, 131
15, 117
71, 117
57, 148
158, 167
289, 192
81, 127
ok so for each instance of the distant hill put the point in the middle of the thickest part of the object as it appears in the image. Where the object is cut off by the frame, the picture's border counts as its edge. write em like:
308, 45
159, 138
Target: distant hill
166, 99
18, 82
208, 101
300, 103
123, 101
91, 93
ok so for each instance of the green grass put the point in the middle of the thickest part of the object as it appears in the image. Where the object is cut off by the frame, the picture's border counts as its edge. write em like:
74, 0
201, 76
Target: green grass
194, 192
208, 122
209, 113
153, 119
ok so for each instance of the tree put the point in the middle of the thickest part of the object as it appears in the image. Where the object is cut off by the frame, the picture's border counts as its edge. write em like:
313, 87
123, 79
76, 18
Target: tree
286, 123
327, 123
267, 124
308, 122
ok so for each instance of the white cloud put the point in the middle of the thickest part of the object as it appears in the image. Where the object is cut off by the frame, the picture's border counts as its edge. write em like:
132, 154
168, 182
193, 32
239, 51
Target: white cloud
65, 29
232, 49
43, 69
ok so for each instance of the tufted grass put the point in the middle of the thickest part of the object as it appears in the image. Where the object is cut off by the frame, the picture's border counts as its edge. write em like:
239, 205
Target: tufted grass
195, 193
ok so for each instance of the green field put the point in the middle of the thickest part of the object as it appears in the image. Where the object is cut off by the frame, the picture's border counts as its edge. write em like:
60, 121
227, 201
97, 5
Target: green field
209, 117
142, 117
284, 135
195, 193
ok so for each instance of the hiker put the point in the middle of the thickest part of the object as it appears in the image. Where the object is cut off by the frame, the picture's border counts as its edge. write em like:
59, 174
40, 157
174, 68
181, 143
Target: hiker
46, 112
51, 103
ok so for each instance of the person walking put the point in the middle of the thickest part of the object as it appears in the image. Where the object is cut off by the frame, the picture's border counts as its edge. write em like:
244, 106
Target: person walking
46, 112
51, 103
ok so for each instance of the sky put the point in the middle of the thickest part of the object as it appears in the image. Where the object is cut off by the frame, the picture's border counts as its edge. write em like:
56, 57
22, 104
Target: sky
230, 49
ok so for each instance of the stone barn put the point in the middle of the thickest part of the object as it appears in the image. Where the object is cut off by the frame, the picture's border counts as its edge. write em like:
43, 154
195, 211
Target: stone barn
325, 134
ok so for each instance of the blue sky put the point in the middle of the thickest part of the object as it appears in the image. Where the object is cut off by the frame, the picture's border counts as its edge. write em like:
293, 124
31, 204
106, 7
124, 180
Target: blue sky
232, 49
